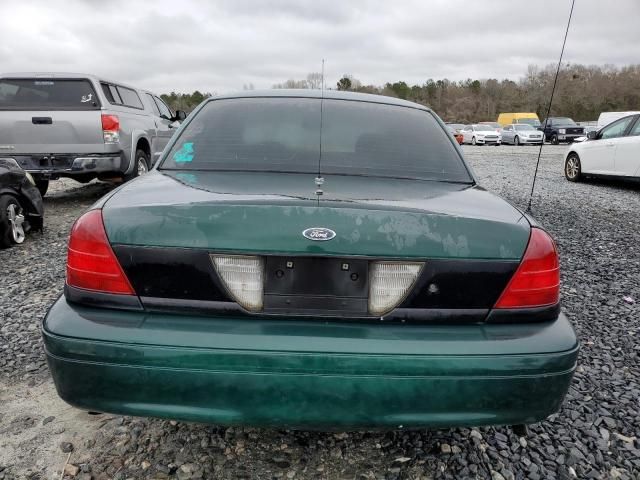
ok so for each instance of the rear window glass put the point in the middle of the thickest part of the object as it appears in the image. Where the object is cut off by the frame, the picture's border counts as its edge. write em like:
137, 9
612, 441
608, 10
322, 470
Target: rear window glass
283, 134
47, 94
129, 97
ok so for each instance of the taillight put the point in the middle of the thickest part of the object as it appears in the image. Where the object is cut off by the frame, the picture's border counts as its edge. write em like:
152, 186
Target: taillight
536, 282
110, 128
91, 263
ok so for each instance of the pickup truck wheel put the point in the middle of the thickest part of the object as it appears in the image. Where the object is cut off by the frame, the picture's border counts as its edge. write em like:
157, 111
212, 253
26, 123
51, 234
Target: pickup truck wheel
140, 168
11, 222
572, 168
42, 186
516, 141
554, 140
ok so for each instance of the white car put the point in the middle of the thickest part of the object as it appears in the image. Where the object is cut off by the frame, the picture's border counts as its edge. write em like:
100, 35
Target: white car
613, 151
478, 134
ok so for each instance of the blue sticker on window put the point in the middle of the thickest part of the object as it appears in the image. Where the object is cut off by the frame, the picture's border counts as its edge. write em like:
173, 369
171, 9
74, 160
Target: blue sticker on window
185, 154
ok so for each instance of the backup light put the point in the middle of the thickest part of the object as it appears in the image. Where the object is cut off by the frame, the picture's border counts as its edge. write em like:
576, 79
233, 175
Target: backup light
536, 283
243, 277
91, 263
110, 128
389, 283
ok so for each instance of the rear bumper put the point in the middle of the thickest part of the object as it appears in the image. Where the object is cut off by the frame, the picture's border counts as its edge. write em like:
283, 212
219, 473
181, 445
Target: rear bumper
308, 375
69, 165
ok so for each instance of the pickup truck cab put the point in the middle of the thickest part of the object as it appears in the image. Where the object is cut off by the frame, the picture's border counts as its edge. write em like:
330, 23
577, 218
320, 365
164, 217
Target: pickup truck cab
81, 126
561, 129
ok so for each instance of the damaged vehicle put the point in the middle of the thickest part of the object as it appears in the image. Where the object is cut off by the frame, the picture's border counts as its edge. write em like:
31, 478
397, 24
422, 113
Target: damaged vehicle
317, 260
21, 209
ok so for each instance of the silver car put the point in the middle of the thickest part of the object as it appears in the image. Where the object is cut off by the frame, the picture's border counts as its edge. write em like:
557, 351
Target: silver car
521, 134
81, 126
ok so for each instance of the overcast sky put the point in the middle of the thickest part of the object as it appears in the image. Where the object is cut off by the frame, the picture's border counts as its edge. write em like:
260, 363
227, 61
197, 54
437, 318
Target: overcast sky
219, 46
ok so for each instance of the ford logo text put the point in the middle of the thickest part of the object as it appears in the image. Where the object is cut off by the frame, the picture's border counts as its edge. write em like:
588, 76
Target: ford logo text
320, 234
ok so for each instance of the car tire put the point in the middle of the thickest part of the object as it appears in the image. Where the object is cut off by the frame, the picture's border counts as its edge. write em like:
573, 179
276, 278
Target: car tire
516, 141
141, 165
554, 140
573, 168
42, 186
473, 141
11, 221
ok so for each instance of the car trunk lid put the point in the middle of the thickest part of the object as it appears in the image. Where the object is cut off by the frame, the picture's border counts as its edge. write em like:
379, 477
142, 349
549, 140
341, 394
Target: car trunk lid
373, 217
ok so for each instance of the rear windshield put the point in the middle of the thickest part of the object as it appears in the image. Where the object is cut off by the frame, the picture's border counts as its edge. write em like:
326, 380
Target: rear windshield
47, 94
283, 135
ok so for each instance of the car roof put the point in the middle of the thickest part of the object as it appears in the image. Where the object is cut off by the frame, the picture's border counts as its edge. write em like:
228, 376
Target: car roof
315, 93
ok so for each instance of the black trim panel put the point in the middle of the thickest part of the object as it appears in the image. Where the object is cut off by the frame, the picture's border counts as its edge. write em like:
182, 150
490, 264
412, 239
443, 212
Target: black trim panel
176, 273
524, 315
460, 283
180, 280
102, 300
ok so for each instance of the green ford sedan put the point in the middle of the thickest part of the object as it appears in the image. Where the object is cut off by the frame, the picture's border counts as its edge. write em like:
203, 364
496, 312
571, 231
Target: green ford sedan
315, 260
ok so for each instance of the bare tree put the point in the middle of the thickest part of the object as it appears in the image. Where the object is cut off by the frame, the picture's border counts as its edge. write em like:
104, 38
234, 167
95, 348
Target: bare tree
291, 83
582, 92
314, 80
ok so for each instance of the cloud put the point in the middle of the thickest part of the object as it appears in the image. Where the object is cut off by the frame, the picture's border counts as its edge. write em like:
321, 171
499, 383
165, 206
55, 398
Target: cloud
220, 46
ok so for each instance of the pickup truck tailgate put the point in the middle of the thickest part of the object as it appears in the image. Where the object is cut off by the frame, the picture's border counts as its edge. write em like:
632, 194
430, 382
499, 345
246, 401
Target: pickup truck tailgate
49, 116
50, 132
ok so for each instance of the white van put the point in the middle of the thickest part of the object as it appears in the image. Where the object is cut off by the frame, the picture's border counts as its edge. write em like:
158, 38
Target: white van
606, 118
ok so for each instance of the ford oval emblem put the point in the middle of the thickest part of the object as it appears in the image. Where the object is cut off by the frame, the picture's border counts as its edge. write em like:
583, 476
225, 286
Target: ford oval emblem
319, 234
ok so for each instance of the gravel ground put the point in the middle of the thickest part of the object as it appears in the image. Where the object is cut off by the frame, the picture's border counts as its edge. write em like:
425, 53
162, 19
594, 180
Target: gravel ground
595, 435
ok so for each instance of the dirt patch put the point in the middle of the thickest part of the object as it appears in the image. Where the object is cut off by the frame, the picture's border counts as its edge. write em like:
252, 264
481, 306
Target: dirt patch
38, 431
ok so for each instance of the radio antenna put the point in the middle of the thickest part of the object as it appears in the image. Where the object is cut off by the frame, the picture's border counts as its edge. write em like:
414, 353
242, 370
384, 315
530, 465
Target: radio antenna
553, 89
319, 178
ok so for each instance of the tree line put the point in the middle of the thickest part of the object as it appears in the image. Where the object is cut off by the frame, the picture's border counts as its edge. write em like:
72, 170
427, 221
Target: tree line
184, 101
582, 92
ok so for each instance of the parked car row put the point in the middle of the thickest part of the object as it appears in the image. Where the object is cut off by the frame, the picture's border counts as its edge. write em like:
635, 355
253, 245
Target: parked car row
522, 130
